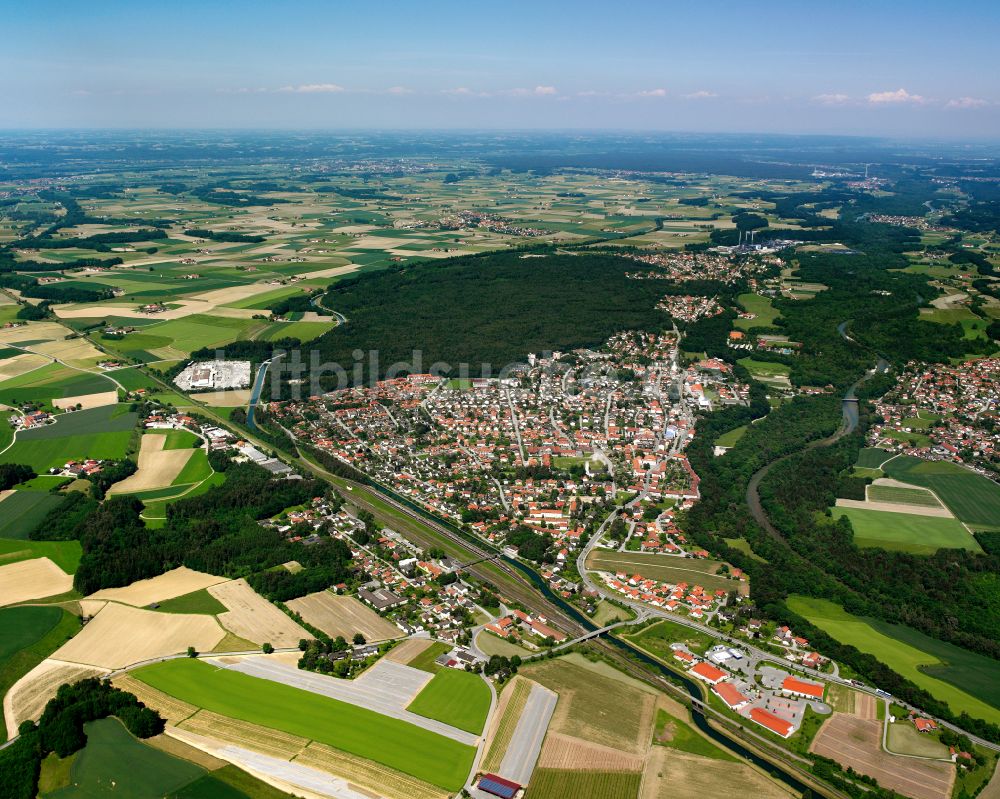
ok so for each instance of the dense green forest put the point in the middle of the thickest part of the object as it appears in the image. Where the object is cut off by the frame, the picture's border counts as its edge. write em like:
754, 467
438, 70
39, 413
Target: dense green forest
216, 532
489, 309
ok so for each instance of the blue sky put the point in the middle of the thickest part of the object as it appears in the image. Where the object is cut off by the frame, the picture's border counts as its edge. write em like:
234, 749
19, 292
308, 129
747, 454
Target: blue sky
916, 68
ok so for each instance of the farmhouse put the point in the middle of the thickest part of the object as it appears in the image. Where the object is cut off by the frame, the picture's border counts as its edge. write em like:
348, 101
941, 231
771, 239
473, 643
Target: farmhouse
380, 598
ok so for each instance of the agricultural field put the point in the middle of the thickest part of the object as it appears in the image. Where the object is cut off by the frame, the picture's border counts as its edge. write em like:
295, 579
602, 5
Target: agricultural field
50, 384
665, 568
549, 783
906, 532
120, 635
856, 743
65, 554
597, 704
114, 763
22, 511
343, 615
36, 578
169, 585
761, 306
159, 465
397, 744
97, 433
424, 660
458, 698
971, 497
31, 634
872, 457
966, 681
671, 774
903, 496
252, 617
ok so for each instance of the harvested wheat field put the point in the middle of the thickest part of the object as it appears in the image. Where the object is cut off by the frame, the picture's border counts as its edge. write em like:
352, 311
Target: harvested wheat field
78, 352
234, 398
120, 635
566, 752
20, 364
406, 651
27, 698
86, 401
173, 710
857, 743
343, 615
32, 579
34, 331
242, 733
176, 582
235, 293
367, 774
252, 617
158, 467
672, 774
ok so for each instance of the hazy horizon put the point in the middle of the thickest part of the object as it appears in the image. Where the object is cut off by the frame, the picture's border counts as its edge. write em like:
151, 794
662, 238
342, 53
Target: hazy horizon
914, 70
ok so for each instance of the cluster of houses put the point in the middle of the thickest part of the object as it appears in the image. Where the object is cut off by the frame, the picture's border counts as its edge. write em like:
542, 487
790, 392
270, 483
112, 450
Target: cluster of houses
952, 410
521, 627
550, 447
681, 267
698, 602
400, 583
689, 308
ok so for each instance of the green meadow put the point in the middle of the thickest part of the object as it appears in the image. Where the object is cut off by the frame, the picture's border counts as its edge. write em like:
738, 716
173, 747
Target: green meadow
966, 681
970, 496
458, 698
438, 760
907, 532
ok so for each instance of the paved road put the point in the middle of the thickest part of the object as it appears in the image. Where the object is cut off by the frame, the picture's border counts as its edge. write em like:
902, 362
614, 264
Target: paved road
522, 751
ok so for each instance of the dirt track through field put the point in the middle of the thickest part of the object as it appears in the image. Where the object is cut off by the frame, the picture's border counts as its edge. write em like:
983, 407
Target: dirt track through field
174, 583
857, 743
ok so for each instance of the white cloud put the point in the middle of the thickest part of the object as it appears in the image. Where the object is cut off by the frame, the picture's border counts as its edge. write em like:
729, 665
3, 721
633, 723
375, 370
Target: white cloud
464, 91
651, 93
832, 99
538, 91
966, 102
313, 88
398, 90
898, 96
702, 94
